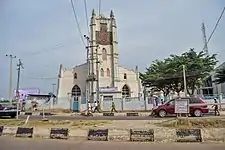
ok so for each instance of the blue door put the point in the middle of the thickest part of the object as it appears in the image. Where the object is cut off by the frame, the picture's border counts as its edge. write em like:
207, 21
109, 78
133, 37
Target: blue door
75, 104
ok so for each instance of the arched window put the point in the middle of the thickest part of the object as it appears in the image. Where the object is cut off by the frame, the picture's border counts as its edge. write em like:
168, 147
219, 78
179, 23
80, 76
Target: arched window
75, 75
125, 91
125, 76
104, 54
108, 72
102, 72
76, 91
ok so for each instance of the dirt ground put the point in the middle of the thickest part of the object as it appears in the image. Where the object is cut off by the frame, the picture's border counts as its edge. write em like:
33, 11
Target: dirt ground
53, 123
190, 123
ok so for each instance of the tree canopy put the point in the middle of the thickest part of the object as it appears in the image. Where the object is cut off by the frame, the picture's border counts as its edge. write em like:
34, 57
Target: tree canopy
220, 76
167, 74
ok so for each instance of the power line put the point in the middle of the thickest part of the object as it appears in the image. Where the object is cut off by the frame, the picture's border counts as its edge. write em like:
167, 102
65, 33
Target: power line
44, 50
217, 23
86, 14
78, 26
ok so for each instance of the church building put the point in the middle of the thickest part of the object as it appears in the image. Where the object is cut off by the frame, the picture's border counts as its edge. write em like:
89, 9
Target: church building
100, 77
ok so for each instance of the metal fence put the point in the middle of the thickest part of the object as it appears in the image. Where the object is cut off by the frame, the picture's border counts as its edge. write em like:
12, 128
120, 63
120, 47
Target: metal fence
127, 104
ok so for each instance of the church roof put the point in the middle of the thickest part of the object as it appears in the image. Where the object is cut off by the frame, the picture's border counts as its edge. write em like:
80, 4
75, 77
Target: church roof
80, 65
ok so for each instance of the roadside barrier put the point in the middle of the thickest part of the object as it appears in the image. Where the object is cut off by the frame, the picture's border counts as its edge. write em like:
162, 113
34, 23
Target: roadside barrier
46, 114
132, 114
28, 113
142, 135
108, 114
24, 132
98, 134
1, 130
59, 133
188, 135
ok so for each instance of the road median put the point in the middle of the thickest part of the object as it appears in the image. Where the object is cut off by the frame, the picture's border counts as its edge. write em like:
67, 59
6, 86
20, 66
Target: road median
117, 130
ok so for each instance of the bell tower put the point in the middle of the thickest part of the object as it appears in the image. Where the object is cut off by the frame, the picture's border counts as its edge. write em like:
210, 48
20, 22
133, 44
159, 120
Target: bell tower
104, 45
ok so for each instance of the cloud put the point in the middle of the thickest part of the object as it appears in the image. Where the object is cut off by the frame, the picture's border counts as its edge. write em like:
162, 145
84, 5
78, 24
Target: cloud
44, 33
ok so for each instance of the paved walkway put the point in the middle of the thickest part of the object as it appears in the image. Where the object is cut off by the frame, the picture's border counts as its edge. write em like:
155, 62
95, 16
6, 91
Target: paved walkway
38, 144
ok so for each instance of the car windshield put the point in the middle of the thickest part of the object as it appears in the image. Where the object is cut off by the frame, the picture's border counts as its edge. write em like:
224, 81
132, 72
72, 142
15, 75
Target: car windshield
7, 105
171, 102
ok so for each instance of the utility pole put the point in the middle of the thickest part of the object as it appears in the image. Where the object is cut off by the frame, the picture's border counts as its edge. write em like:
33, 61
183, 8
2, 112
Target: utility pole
88, 64
205, 49
11, 57
53, 88
185, 82
97, 75
53, 92
91, 76
19, 66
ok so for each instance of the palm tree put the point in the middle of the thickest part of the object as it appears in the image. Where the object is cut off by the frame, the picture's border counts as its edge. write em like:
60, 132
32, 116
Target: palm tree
220, 76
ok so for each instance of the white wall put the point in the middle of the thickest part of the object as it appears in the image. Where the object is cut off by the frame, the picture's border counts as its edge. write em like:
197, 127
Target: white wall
131, 81
67, 80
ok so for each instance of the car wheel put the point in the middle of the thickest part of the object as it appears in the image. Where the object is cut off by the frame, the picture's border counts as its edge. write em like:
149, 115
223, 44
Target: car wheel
162, 113
197, 113
13, 116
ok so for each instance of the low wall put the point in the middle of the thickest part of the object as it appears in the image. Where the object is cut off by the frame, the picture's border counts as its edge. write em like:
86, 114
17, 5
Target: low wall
128, 104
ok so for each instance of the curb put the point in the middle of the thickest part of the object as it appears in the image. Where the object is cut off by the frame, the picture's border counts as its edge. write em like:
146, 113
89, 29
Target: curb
159, 136
99, 114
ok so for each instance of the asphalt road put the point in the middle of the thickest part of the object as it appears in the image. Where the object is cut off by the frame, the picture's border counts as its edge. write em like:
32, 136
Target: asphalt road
109, 117
8, 143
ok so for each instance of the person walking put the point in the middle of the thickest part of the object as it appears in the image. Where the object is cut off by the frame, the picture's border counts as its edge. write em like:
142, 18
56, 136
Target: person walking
97, 106
89, 108
113, 107
216, 109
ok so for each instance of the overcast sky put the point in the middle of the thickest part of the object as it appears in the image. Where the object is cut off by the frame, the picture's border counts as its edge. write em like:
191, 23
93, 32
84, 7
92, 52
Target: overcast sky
43, 33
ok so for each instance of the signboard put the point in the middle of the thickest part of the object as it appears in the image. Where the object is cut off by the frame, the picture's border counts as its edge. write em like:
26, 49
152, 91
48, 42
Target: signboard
108, 89
23, 93
108, 98
182, 106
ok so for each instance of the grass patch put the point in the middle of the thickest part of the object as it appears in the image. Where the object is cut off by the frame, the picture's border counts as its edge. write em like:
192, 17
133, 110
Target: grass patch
54, 123
193, 123
55, 110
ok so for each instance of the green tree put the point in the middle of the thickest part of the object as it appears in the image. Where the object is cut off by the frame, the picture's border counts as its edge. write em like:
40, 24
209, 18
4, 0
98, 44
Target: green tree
198, 66
154, 76
167, 75
220, 76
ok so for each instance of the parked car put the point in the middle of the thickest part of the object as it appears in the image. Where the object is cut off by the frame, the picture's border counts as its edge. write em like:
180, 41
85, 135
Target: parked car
169, 107
8, 110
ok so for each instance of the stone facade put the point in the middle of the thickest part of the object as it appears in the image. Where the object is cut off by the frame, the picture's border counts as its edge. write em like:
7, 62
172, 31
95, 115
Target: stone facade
114, 81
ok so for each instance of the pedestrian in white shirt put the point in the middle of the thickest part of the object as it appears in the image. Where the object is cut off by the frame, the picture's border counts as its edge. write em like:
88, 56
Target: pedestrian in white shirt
96, 106
89, 107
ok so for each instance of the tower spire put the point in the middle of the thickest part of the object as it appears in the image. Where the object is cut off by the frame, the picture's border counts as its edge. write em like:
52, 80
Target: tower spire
112, 14
93, 13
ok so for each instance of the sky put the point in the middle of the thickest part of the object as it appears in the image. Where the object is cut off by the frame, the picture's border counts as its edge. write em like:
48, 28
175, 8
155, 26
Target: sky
44, 34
